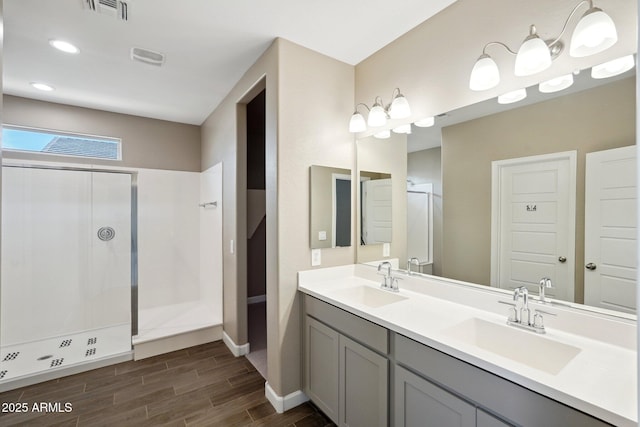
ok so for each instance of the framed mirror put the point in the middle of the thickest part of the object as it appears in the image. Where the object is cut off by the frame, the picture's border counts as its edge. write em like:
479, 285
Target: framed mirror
331, 201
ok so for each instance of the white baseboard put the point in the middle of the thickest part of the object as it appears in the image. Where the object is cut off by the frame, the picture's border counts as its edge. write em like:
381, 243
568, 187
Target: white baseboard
237, 350
283, 404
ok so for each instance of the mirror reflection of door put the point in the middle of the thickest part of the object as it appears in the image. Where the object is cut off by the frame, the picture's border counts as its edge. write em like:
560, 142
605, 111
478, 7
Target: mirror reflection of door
610, 229
375, 209
533, 220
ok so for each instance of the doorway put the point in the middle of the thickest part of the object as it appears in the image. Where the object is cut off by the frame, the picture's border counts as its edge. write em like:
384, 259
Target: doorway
256, 234
533, 223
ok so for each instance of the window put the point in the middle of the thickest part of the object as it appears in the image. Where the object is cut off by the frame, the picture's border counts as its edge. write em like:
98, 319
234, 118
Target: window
16, 138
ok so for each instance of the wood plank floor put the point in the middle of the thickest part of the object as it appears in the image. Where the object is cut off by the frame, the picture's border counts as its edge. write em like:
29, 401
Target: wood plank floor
199, 386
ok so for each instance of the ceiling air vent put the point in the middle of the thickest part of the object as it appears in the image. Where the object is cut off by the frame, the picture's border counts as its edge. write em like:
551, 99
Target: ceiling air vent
115, 8
147, 56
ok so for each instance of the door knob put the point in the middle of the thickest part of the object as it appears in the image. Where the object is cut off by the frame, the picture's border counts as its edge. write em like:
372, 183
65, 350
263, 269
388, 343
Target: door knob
562, 259
591, 266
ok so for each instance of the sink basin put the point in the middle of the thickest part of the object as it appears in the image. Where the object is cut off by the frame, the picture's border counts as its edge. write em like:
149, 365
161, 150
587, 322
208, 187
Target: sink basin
520, 346
371, 297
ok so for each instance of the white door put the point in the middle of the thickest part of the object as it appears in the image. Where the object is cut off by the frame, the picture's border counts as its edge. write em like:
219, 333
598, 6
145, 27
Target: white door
610, 229
533, 223
376, 211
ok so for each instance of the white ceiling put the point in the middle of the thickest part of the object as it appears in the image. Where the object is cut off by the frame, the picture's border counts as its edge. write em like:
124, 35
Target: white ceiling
208, 45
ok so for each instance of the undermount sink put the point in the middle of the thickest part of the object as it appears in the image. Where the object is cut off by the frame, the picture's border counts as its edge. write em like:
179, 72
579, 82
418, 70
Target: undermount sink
520, 346
369, 296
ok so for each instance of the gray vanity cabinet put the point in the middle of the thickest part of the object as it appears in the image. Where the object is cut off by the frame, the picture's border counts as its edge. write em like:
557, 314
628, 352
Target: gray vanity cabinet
419, 403
347, 380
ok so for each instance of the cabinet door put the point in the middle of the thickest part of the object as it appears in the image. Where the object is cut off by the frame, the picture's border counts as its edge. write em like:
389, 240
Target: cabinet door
364, 382
485, 419
321, 367
420, 403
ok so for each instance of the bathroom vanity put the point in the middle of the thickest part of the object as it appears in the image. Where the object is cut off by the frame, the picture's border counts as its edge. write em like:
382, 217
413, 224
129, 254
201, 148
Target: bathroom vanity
434, 354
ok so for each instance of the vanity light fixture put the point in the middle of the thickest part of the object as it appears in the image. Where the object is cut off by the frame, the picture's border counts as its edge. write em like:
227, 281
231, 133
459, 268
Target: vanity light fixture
379, 113
42, 86
613, 68
426, 122
594, 33
556, 84
513, 96
383, 134
64, 46
406, 129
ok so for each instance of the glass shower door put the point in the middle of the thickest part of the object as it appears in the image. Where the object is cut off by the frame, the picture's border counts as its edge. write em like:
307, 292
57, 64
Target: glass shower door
66, 268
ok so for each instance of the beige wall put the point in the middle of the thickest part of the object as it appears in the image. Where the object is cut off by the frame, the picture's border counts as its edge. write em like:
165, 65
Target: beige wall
146, 143
386, 156
309, 98
592, 120
425, 166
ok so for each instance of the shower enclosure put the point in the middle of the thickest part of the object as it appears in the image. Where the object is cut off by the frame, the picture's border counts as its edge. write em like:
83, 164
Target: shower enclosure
66, 287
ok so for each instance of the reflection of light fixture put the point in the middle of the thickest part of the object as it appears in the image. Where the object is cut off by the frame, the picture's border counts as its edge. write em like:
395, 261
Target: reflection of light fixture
613, 68
426, 122
557, 84
594, 33
406, 128
378, 114
513, 96
383, 134
64, 46
42, 86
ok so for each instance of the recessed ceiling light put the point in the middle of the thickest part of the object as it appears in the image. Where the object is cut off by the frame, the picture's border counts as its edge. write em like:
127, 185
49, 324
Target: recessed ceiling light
42, 86
64, 46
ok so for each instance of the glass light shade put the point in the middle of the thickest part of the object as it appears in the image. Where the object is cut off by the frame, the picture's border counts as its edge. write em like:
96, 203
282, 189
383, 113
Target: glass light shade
485, 74
403, 129
399, 108
594, 33
513, 96
533, 56
377, 116
613, 68
426, 122
557, 84
383, 134
357, 123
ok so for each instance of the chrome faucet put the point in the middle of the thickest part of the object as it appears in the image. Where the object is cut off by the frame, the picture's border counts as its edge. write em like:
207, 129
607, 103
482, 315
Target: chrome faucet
413, 260
520, 314
390, 282
545, 283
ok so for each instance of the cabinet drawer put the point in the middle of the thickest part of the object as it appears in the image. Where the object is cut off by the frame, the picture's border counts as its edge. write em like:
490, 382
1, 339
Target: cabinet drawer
357, 328
513, 402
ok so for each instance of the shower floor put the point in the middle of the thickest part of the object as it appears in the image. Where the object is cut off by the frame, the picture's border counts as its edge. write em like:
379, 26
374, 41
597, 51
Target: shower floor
24, 360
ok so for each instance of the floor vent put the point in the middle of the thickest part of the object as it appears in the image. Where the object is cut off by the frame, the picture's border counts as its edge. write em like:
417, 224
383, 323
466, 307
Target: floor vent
90, 352
65, 343
2, 374
56, 362
11, 356
92, 341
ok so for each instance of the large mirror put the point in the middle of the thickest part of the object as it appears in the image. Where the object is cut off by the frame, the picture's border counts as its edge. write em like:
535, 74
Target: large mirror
458, 155
330, 222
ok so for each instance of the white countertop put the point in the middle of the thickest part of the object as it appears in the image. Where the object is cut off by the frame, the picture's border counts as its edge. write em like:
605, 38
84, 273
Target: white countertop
600, 380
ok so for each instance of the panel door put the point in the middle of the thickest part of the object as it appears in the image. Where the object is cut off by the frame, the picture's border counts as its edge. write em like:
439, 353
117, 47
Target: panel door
534, 220
420, 403
321, 367
610, 229
363, 386
376, 211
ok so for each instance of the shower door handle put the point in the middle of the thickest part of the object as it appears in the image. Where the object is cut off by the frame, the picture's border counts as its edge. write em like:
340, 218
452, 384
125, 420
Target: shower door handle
106, 233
